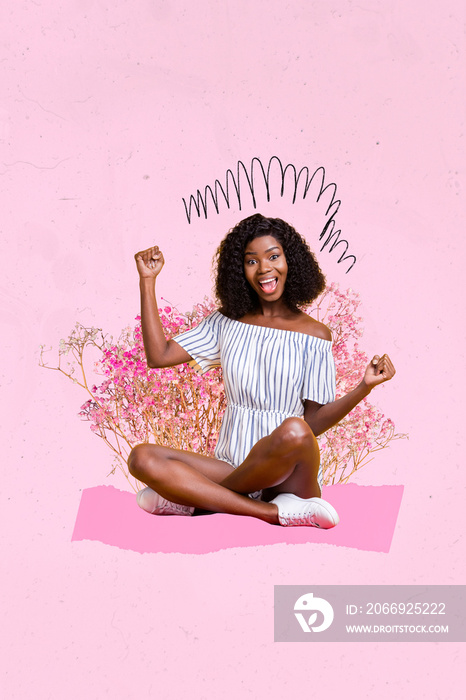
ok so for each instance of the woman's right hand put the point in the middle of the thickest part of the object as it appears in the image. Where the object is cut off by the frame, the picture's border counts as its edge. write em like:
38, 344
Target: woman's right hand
149, 262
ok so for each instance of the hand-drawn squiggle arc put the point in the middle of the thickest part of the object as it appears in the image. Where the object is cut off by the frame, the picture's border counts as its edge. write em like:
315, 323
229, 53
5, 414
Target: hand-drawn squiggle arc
200, 201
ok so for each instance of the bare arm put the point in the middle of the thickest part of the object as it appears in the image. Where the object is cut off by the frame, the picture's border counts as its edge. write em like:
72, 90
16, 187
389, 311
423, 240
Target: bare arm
160, 352
322, 417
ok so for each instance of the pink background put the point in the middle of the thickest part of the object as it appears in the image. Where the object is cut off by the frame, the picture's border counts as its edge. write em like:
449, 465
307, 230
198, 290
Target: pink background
110, 113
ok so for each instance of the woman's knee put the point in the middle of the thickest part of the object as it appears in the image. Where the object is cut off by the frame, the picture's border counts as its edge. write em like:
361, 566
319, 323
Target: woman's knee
293, 433
142, 461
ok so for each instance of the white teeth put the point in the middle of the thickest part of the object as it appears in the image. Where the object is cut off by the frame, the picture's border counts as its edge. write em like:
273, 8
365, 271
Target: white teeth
271, 280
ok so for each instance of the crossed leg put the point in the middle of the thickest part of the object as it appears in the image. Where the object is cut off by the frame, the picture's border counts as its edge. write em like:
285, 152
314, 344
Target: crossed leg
286, 461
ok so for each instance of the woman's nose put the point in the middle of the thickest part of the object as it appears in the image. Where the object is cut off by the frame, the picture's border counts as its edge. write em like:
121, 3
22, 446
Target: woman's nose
264, 266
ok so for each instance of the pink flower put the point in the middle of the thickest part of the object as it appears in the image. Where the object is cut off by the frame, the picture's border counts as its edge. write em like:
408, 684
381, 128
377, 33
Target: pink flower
177, 407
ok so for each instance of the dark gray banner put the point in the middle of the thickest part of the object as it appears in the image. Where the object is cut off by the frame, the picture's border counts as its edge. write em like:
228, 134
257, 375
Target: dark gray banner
370, 613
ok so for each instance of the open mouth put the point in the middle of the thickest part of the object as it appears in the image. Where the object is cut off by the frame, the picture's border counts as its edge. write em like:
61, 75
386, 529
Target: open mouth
269, 285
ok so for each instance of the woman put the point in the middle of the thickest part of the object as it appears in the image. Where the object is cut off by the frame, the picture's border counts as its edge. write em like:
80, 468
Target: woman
277, 367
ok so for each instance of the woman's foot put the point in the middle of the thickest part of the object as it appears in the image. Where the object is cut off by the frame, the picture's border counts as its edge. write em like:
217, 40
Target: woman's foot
314, 512
153, 503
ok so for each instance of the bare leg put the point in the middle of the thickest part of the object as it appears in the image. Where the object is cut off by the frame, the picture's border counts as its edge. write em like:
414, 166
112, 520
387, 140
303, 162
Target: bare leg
285, 461
171, 474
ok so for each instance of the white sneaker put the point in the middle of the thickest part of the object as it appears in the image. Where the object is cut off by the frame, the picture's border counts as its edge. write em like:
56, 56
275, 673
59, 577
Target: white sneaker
315, 512
152, 502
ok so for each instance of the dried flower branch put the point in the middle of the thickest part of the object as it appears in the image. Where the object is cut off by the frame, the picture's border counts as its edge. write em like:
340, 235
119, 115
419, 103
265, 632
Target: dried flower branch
178, 407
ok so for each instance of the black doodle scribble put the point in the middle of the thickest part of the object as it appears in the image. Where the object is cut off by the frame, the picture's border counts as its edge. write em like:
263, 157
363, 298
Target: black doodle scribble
237, 187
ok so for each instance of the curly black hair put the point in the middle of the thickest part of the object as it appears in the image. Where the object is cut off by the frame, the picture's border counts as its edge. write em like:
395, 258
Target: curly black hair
304, 281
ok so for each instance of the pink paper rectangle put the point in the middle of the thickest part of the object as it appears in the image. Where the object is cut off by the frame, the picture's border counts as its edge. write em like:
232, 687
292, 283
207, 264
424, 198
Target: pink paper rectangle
368, 515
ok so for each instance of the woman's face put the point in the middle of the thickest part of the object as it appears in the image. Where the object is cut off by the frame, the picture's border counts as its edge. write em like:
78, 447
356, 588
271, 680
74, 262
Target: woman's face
265, 267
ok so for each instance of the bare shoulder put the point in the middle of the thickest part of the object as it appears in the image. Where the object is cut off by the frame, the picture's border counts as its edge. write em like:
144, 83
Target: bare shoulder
298, 322
315, 328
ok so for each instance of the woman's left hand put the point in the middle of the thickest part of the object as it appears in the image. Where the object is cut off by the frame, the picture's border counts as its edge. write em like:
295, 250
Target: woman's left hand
379, 369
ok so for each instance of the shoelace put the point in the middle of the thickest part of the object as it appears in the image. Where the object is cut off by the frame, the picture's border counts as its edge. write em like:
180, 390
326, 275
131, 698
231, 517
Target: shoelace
303, 519
170, 507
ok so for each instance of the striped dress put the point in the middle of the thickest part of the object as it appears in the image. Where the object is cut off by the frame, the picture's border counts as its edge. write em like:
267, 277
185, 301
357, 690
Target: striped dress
267, 374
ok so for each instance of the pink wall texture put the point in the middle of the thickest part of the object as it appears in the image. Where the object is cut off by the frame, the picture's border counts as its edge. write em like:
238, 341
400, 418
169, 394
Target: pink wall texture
110, 114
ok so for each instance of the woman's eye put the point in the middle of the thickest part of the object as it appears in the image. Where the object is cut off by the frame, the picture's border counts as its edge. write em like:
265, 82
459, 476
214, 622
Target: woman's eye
250, 262
274, 256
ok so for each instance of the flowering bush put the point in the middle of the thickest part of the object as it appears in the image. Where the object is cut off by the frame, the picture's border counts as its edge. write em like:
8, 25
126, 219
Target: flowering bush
350, 444
178, 407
